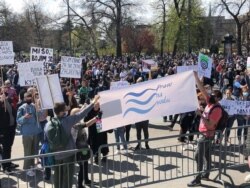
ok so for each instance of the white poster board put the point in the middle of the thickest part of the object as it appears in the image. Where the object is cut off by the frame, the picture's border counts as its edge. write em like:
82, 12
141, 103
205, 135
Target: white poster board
248, 64
149, 63
164, 96
6, 53
181, 69
118, 85
49, 90
204, 66
71, 67
44, 55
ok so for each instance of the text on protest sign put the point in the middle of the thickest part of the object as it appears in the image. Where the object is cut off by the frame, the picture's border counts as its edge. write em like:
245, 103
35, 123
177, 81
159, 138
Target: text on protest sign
164, 96
28, 72
71, 67
235, 107
44, 55
49, 90
204, 66
6, 53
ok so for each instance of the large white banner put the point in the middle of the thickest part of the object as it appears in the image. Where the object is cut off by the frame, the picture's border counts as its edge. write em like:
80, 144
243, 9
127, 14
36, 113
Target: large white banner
204, 66
71, 67
6, 53
164, 96
49, 90
28, 71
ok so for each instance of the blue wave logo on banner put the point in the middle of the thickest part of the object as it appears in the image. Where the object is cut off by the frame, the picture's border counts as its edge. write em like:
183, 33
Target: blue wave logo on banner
139, 103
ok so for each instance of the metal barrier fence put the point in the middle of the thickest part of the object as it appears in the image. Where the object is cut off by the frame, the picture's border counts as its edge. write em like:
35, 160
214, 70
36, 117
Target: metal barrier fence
166, 161
147, 166
234, 153
71, 166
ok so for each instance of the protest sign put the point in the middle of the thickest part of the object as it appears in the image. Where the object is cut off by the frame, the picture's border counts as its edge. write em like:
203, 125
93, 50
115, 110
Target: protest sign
6, 53
28, 71
148, 65
165, 96
26, 77
242, 107
229, 106
49, 90
248, 64
181, 69
44, 55
118, 85
71, 67
204, 66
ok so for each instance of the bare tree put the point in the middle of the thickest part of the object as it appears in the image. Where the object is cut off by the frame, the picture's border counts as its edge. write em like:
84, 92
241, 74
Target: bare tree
234, 8
89, 22
161, 5
179, 7
112, 10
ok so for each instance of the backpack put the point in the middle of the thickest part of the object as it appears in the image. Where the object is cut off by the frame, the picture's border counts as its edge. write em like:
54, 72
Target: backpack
222, 123
56, 135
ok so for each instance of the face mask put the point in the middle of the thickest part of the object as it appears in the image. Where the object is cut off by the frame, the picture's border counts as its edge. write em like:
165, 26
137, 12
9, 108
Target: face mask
65, 114
209, 91
211, 99
28, 101
245, 94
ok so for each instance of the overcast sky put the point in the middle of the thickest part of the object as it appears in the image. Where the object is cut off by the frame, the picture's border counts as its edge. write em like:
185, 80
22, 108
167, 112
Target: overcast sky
53, 6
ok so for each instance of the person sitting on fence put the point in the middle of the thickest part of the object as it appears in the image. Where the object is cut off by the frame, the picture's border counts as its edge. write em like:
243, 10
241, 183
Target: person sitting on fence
207, 126
58, 132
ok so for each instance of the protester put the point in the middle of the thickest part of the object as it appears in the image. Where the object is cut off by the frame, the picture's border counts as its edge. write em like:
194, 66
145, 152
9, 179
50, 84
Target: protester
7, 130
97, 138
207, 126
64, 169
30, 130
81, 140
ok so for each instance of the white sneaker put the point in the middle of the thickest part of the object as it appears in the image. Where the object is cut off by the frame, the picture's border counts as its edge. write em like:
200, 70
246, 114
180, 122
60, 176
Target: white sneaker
247, 178
30, 173
117, 152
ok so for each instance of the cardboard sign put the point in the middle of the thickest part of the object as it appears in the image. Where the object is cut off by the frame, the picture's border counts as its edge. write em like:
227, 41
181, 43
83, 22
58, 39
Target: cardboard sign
181, 69
28, 71
204, 66
44, 55
71, 67
6, 53
118, 85
49, 89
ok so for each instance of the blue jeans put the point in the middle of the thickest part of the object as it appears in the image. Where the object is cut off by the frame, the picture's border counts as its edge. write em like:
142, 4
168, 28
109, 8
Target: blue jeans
230, 123
241, 123
119, 137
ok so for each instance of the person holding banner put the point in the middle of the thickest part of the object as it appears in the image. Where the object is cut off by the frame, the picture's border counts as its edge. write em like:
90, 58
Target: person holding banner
63, 174
207, 126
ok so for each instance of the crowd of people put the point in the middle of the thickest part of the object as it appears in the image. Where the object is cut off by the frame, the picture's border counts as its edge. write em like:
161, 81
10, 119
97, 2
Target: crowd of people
20, 109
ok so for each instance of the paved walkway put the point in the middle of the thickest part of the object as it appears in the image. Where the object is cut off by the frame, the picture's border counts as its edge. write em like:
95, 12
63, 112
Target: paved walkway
133, 169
